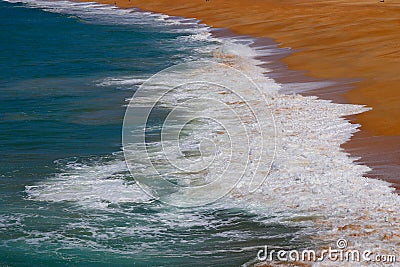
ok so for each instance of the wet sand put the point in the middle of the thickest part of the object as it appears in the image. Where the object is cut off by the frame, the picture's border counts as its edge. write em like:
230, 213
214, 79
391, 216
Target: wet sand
357, 41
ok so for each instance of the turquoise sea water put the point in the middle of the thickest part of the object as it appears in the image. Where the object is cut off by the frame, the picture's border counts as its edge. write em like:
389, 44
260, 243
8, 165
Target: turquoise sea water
65, 75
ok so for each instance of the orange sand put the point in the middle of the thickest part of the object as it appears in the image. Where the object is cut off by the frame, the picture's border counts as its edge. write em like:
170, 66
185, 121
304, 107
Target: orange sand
337, 39
357, 39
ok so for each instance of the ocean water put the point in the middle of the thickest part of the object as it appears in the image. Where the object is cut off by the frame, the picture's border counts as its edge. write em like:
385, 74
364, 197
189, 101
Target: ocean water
68, 72
66, 199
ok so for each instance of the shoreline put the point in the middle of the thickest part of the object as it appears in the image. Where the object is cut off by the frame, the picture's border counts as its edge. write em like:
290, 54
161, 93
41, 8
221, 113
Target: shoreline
348, 52
315, 194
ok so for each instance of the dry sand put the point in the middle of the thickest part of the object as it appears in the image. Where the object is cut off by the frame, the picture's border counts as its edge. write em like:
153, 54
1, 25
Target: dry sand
334, 39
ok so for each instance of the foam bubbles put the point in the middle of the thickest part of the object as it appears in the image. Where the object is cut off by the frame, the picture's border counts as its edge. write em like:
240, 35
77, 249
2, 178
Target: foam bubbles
310, 176
98, 183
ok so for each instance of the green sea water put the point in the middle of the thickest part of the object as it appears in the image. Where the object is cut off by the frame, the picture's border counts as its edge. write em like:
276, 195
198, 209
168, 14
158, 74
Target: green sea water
66, 71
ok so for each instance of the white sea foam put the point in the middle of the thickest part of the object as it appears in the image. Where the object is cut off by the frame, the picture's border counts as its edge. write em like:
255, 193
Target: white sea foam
311, 175
125, 82
91, 12
95, 184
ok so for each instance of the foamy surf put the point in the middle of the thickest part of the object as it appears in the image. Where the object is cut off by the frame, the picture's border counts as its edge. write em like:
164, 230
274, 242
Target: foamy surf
96, 183
126, 83
310, 176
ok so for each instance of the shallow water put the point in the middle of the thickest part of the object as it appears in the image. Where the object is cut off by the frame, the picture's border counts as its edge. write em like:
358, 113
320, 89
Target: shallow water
68, 72
66, 195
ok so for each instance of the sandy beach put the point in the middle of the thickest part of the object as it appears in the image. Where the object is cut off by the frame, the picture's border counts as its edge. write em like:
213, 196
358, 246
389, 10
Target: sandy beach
357, 40
132, 134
